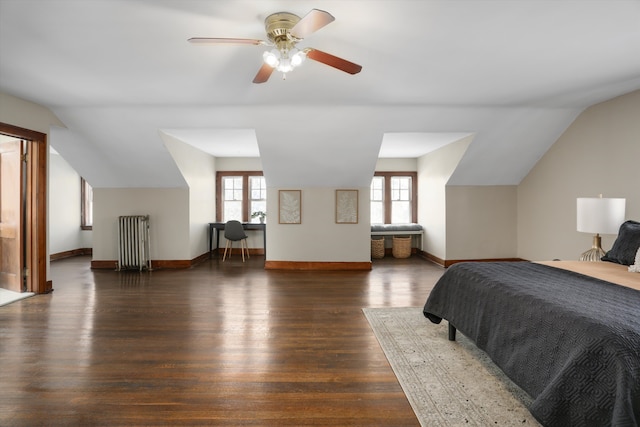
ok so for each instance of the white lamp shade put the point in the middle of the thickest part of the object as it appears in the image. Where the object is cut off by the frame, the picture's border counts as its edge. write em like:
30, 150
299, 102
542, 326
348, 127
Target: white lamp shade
271, 57
600, 216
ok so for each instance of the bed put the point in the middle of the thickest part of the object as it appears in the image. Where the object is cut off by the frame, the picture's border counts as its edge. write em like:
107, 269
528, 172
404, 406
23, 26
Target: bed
568, 333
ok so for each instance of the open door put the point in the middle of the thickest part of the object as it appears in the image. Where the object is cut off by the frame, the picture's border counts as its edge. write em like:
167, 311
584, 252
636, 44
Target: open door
23, 210
11, 214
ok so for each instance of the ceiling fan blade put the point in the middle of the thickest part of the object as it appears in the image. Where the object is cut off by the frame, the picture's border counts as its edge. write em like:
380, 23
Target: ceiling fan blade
263, 74
310, 23
333, 61
213, 40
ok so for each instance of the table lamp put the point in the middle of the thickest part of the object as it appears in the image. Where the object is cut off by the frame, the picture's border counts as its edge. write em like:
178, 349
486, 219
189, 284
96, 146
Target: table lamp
600, 216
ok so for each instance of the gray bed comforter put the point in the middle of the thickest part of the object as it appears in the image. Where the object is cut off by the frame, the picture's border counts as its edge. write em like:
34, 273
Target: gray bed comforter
570, 341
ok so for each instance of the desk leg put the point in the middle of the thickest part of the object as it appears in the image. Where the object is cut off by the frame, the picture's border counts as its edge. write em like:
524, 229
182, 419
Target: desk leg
210, 240
217, 243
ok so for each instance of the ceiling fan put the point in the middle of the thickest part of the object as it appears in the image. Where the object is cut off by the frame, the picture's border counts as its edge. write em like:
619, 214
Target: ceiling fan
284, 31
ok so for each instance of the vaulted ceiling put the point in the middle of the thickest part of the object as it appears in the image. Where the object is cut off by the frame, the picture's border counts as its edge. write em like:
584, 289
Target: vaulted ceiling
120, 73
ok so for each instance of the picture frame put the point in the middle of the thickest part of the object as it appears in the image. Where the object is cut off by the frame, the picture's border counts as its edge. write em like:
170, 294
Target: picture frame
290, 206
346, 206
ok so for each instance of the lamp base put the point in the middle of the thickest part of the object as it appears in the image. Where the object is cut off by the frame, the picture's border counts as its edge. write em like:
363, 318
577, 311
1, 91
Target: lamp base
595, 253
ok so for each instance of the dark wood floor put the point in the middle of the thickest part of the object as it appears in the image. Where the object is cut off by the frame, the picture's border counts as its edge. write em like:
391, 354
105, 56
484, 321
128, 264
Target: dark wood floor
219, 344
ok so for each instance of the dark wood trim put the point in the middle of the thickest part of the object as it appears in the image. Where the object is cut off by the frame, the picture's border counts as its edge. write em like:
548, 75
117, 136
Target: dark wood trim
36, 213
312, 265
289, 265
71, 253
429, 257
450, 262
170, 264
234, 251
104, 264
22, 133
199, 259
39, 212
155, 264
387, 193
246, 215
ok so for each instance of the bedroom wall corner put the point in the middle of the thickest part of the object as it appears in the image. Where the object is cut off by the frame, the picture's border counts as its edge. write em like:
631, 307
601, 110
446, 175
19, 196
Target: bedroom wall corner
168, 209
65, 201
481, 222
199, 171
434, 170
597, 154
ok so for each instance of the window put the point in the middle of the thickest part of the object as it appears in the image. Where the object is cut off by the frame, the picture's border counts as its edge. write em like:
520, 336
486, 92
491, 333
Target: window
239, 194
258, 199
86, 210
232, 198
377, 200
401, 200
393, 198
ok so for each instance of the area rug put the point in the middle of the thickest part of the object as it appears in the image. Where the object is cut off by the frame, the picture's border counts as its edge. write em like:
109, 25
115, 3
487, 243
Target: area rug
7, 296
447, 383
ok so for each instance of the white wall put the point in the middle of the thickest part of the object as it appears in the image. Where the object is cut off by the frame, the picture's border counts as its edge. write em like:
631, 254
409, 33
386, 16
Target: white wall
318, 238
28, 115
199, 170
238, 164
434, 170
464, 222
168, 209
598, 154
65, 205
481, 222
396, 165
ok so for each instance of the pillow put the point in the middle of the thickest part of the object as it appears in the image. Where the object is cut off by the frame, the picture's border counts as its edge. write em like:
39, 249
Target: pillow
626, 245
636, 267
396, 227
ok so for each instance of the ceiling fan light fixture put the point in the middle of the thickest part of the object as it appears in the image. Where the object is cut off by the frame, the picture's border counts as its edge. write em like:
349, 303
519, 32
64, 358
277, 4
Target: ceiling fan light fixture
284, 59
285, 65
271, 57
297, 57
284, 31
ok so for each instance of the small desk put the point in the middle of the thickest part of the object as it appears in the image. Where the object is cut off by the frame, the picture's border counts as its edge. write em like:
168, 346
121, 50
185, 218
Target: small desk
219, 226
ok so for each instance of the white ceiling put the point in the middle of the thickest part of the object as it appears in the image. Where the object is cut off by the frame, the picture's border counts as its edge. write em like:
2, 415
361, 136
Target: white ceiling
220, 142
118, 73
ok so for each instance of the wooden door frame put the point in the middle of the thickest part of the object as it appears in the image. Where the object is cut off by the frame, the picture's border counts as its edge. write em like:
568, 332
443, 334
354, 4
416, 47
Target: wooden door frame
36, 209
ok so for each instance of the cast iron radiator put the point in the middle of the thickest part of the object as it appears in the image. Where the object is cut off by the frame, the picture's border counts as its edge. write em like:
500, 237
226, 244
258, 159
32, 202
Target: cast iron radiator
133, 243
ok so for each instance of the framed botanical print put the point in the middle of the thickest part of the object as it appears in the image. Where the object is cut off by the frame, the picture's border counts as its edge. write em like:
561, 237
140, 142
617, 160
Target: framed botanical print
346, 206
290, 206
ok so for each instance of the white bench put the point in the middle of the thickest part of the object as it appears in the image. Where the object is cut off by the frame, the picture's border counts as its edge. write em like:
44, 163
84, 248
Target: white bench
398, 230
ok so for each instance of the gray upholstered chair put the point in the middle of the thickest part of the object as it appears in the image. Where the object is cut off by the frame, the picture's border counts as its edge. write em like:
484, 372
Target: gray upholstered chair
233, 232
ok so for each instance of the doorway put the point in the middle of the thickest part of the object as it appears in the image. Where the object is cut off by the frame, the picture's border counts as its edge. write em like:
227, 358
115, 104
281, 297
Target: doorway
12, 151
23, 175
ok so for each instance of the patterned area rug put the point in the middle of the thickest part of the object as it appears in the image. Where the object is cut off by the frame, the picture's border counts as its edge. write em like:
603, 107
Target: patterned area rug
447, 383
7, 297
